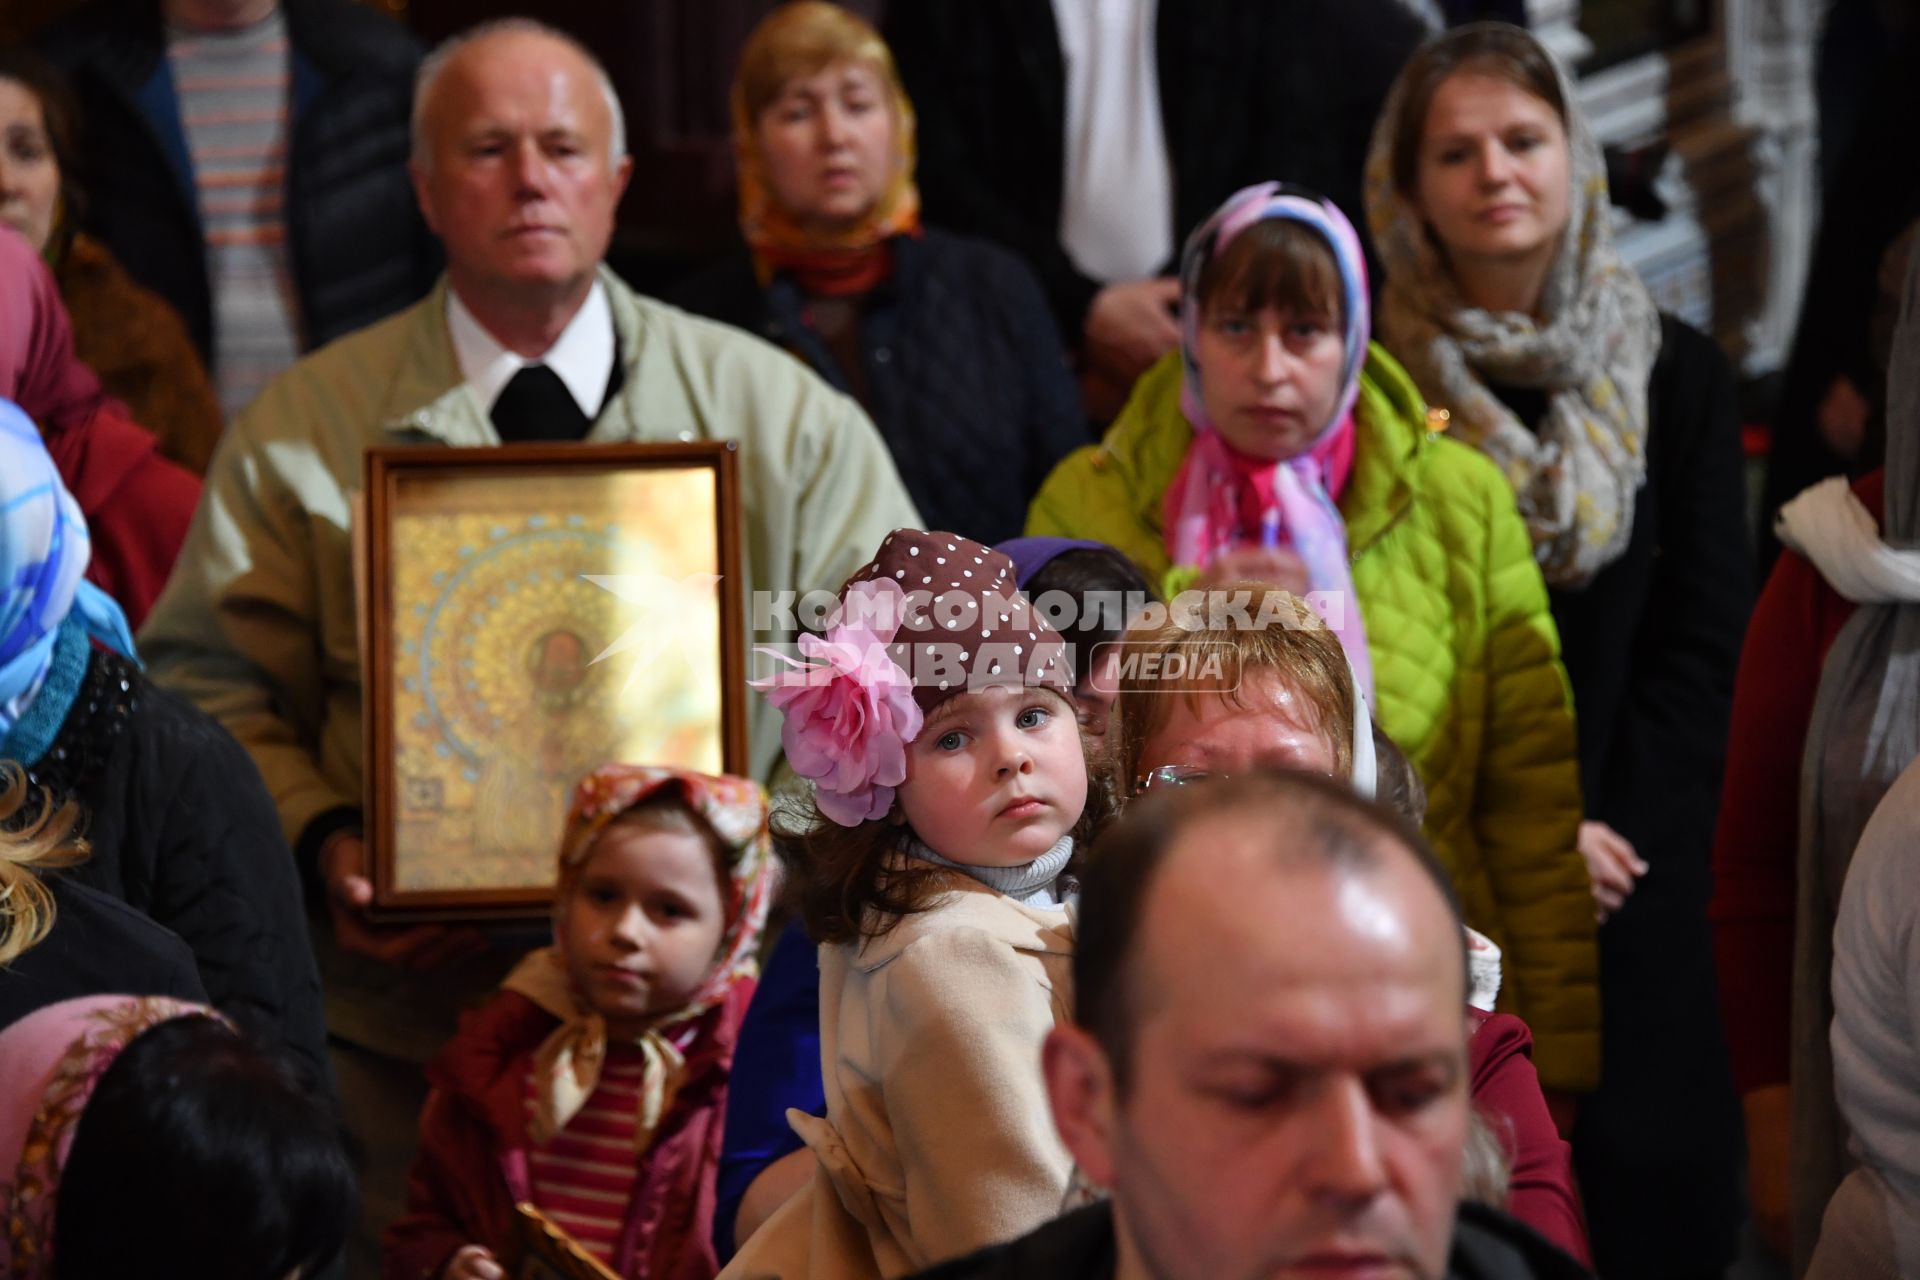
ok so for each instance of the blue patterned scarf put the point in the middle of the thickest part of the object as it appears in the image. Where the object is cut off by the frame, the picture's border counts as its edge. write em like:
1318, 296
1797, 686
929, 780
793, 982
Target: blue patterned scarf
44, 550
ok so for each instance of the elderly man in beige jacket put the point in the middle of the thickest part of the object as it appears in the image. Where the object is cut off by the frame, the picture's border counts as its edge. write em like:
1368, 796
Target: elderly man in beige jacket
519, 161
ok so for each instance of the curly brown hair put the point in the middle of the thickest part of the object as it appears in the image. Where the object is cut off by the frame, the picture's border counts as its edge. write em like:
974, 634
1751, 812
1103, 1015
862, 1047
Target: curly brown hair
849, 884
60, 114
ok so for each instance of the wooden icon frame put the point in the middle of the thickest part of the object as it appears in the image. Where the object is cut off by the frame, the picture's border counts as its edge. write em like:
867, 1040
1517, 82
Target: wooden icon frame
492, 576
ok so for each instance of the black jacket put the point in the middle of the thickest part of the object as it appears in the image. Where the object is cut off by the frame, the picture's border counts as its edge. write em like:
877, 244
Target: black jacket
98, 946
356, 242
182, 829
1280, 89
1650, 647
1486, 1246
1863, 210
963, 371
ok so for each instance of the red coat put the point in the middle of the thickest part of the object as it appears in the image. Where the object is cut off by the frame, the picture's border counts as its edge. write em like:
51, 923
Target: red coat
1756, 845
137, 505
474, 1147
1506, 1092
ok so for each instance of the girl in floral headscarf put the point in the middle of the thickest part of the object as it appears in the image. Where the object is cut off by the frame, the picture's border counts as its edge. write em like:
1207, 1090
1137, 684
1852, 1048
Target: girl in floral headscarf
594, 1084
1618, 431
946, 341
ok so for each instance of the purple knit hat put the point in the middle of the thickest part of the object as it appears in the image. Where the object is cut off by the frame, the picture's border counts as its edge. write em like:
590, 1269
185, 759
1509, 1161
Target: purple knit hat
965, 624
1031, 555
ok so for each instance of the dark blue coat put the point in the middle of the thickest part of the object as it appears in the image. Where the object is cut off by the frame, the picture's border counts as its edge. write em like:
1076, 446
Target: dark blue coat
961, 367
356, 243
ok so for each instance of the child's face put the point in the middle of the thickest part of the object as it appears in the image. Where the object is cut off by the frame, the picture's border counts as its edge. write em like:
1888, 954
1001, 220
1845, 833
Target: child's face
996, 777
641, 925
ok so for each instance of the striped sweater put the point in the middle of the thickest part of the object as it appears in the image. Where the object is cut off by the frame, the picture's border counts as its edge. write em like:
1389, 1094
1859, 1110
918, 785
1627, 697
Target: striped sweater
583, 1179
232, 88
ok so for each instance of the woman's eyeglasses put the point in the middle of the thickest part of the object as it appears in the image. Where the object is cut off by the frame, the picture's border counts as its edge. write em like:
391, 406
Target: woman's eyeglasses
1172, 775
1179, 775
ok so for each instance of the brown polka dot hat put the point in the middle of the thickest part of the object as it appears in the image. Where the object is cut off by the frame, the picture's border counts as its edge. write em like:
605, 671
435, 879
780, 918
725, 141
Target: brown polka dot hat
933, 616
963, 622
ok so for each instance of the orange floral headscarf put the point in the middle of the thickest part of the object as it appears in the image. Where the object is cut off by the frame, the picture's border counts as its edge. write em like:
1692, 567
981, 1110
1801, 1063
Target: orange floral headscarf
800, 39
568, 1063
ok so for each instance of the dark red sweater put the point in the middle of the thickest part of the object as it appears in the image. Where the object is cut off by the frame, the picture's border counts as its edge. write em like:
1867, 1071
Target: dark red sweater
1756, 844
472, 1165
1506, 1092
137, 505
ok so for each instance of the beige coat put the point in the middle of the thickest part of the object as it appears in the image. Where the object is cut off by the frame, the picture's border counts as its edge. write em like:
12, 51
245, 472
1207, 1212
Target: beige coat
257, 625
938, 1138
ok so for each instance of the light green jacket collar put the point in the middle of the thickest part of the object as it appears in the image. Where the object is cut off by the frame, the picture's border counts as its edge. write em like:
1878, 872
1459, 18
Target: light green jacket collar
429, 396
1152, 436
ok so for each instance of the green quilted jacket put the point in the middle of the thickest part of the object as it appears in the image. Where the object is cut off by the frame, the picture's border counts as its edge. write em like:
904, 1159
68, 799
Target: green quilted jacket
1466, 666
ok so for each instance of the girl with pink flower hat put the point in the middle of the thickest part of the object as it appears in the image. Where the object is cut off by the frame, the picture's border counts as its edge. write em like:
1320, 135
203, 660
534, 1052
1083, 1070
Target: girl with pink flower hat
950, 792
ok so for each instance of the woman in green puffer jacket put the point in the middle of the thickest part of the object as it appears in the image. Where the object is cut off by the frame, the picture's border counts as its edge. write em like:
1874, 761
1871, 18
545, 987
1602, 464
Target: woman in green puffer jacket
1315, 467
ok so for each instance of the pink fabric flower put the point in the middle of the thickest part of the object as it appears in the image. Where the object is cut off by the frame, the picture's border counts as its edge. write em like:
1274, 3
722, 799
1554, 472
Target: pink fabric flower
849, 713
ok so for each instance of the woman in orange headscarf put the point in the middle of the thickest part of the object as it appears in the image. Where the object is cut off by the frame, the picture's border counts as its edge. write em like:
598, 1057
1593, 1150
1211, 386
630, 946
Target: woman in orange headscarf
945, 340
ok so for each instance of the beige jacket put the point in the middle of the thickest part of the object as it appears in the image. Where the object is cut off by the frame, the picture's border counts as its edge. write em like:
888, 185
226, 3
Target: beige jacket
938, 1138
257, 625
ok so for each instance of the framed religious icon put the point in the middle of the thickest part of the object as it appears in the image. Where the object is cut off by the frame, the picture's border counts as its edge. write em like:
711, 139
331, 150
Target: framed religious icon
547, 1252
532, 612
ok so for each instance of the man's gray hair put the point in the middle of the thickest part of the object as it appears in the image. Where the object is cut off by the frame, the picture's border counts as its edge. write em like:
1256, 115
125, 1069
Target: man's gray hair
435, 62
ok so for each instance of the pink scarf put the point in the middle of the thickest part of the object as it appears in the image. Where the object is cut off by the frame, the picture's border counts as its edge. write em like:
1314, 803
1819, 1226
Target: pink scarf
1222, 499
50, 1062
38, 369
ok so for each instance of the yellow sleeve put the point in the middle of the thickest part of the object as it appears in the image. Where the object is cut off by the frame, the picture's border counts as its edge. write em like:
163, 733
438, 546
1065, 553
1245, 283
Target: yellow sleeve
1527, 814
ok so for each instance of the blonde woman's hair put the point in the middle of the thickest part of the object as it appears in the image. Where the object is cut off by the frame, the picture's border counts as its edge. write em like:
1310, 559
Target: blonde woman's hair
1298, 649
47, 840
1485, 1175
800, 39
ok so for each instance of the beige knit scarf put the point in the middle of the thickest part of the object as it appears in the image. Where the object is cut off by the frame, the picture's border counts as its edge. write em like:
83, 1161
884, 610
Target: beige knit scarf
1591, 348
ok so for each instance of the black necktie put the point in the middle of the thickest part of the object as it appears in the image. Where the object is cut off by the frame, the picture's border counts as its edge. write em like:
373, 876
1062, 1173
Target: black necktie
536, 405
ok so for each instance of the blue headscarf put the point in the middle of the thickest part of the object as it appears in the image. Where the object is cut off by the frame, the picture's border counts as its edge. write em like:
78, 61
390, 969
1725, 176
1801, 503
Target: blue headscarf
44, 550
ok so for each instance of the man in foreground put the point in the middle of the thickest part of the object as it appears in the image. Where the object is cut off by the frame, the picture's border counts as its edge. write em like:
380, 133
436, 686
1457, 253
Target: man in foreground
1268, 1066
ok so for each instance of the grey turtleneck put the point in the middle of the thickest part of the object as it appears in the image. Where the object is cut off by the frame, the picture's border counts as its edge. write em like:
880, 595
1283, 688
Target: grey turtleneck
1031, 884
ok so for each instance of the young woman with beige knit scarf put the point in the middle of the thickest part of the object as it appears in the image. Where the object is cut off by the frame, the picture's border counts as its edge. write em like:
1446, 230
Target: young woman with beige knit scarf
1506, 300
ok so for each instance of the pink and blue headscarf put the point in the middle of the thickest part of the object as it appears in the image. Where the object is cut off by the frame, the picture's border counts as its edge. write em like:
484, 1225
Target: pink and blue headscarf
1222, 499
44, 550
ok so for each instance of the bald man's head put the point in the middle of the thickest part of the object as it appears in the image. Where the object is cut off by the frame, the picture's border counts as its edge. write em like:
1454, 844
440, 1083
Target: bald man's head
426, 81
1213, 836
519, 167
1269, 1070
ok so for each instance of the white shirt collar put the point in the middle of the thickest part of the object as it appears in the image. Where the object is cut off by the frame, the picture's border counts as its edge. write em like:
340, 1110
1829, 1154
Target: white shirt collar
582, 355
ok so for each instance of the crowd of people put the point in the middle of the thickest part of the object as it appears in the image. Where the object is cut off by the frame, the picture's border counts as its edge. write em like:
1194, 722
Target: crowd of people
1439, 863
